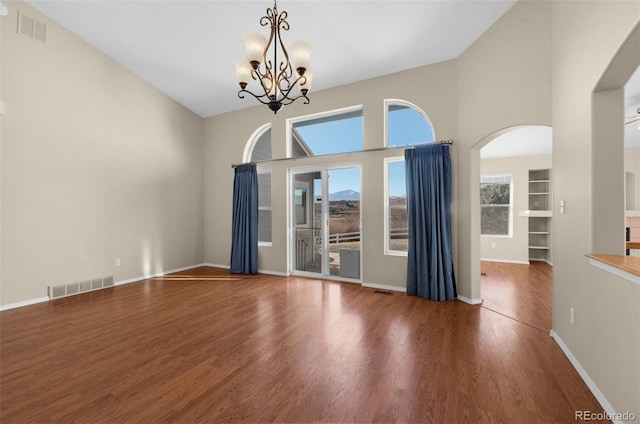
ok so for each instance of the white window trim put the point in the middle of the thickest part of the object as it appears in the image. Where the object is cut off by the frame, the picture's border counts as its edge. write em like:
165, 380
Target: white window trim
484, 179
251, 143
387, 249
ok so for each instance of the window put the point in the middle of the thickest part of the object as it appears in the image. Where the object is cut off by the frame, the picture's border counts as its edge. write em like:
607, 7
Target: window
264, 208
327, 133
406, 124
495, 205
258, 148
396, 224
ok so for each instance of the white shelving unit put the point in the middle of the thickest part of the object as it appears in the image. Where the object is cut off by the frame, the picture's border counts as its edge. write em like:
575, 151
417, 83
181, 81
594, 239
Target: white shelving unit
540, 215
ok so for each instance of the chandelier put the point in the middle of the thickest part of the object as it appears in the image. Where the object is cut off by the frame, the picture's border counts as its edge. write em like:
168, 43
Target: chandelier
273, 70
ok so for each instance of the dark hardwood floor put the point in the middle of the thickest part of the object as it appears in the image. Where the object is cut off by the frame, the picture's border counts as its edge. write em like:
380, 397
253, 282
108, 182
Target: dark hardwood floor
204, 346
521, 292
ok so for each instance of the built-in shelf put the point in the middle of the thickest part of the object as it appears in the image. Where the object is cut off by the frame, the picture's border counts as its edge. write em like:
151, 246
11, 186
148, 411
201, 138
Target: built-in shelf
536, 214
539, 215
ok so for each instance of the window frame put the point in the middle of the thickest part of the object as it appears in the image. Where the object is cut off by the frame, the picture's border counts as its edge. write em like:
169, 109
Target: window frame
509, 207
290, 122
251, 143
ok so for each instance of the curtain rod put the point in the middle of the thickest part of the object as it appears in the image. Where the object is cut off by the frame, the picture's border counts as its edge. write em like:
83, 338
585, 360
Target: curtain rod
376, 149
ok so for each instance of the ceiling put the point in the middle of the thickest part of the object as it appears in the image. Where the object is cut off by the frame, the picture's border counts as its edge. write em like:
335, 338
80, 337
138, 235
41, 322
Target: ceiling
186, 48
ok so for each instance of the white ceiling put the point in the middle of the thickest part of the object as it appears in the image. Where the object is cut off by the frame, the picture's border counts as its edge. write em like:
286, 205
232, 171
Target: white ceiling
525, 141
186, 48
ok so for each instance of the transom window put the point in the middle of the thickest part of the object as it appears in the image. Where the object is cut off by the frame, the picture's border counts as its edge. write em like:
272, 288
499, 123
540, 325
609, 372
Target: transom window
327, 133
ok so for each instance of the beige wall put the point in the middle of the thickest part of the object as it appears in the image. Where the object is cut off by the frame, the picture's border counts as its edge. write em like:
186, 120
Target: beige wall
96, 165
605, 338
436, 96
504, 82
515, 248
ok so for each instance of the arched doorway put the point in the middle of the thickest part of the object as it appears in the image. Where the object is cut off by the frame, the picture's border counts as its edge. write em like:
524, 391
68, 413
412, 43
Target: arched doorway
516, 253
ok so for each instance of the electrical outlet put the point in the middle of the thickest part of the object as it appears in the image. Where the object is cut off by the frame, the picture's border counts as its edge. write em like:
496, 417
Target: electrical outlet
536, 204
118, 262
572, 315
493, 245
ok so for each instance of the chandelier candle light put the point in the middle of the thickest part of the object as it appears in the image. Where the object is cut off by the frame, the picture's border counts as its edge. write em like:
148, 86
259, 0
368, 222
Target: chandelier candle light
275, 76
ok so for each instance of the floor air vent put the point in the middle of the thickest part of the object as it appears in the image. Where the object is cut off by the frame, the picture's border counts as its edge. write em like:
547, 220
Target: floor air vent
80, 287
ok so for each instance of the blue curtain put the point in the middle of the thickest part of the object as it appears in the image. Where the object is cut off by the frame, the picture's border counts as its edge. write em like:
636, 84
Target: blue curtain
244, 227
430, 260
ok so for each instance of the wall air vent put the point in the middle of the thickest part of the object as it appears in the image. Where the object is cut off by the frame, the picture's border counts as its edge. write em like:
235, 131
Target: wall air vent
32, 28
80, 287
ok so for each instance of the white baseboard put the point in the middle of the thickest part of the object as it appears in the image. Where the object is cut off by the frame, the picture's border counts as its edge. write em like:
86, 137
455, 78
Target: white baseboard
216, 265
384, 287
158, 274
505, 261
279, 274
585, 377
470, 301
546, 261
24, 303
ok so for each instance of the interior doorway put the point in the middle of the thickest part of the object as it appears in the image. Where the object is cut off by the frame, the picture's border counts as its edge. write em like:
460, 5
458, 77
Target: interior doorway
325, 222
516, 224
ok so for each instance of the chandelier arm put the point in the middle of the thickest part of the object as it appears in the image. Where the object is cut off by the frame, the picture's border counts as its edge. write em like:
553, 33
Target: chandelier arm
258, 98
269, 20
261, 77
285, 93
288, 100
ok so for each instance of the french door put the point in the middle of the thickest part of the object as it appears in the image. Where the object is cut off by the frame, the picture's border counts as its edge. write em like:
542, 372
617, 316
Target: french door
324, 223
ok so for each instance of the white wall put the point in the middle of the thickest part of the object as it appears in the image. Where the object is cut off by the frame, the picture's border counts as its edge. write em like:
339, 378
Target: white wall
516, 247
96, 165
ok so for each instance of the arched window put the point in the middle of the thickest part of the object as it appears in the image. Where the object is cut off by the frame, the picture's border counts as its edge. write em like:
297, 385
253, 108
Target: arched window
406, 124
258, 149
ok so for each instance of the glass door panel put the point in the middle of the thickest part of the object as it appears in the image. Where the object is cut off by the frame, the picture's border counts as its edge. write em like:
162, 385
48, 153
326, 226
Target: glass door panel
326, 222
344, 222
307, 225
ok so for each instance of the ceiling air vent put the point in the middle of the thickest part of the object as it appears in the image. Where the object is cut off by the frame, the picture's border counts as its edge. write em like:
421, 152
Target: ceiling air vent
32, 28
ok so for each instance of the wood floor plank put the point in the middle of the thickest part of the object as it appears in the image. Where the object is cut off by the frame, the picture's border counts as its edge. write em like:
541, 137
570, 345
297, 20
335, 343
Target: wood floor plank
520, 291
205, 346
